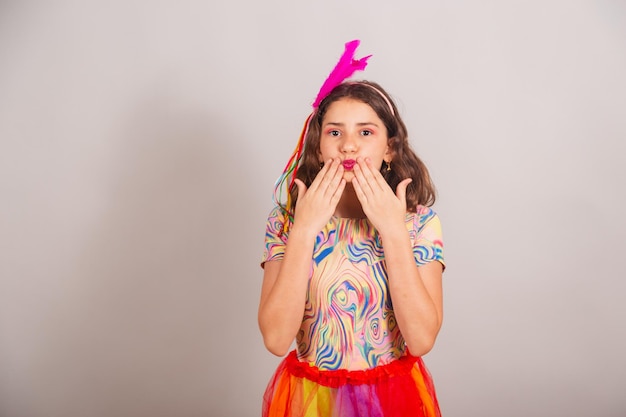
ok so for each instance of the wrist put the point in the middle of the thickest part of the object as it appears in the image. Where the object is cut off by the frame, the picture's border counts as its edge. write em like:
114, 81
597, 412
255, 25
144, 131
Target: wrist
303, 233
393, 232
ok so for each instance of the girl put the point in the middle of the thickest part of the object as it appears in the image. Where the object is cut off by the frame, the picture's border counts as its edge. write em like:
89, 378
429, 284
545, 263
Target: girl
353, 263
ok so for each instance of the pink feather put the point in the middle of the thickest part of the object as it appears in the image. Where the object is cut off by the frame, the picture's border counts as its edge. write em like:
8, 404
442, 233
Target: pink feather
344, 69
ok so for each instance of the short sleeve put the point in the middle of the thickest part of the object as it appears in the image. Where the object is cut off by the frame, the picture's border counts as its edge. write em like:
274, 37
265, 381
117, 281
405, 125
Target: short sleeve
275, 241
426, 237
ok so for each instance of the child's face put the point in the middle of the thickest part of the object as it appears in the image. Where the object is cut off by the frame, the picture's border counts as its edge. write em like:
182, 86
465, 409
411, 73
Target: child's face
351, 129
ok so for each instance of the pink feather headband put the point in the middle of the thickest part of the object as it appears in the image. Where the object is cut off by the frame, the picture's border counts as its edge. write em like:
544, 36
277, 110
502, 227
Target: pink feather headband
344, 69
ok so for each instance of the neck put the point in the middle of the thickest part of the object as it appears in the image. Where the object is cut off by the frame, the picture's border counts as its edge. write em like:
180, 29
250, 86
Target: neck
349, 205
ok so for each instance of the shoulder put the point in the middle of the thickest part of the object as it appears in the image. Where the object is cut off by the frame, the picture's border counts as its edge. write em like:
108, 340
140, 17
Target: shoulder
425, 231
275, 239
421, 217
275, 213
275, 222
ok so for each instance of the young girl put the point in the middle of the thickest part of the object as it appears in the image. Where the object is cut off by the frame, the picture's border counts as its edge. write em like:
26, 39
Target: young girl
353, 263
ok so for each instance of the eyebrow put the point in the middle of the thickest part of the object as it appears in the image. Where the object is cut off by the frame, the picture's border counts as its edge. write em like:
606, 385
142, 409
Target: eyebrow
343, 124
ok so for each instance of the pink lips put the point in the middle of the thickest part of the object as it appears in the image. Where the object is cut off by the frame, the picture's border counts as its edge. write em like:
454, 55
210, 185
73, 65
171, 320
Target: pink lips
348, 164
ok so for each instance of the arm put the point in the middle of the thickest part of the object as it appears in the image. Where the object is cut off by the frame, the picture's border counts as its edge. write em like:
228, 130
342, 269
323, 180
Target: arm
416, 292
283, 293
285, 282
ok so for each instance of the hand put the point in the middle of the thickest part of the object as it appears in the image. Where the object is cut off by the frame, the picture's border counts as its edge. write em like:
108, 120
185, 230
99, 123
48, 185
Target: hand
382, 207
317, 203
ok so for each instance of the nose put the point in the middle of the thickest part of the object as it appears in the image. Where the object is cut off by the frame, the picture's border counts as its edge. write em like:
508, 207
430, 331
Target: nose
349, 143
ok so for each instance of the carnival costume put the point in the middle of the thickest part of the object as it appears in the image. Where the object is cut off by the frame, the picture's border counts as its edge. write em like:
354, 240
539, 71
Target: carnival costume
350, 359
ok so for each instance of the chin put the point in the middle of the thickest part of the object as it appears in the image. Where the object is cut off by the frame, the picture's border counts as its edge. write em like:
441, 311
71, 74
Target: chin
348, 176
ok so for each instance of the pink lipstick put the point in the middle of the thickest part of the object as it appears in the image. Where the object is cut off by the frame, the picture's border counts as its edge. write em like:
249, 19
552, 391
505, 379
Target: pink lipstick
348, 164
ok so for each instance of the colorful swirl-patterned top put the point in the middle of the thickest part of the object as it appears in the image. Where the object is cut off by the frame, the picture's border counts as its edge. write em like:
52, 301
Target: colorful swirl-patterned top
348, 319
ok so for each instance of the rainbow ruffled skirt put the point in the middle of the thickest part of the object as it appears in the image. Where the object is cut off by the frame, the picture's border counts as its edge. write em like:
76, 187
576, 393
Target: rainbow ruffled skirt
402, 388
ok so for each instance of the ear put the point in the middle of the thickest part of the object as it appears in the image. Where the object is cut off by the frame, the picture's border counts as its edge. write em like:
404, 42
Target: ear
389, 152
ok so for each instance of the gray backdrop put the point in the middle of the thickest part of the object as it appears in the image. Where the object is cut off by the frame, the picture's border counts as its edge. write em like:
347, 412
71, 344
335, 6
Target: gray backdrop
140, 141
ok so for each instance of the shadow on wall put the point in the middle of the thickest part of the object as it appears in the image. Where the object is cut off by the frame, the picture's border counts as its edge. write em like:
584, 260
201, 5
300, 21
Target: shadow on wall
141, 328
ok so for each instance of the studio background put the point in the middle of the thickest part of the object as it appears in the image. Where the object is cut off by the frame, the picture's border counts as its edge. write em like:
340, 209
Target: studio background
140, 142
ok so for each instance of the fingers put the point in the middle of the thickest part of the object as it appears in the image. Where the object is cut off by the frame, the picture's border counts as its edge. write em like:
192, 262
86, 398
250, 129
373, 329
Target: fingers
401, 189
369, 178
358, 189
338, 192
366, 185
329, 177
320, 175
324, 192
301, 186
336, 173
370, 185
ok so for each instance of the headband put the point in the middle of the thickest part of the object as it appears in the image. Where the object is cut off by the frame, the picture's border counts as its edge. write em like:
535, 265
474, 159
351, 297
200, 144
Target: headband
380, 93
345, 68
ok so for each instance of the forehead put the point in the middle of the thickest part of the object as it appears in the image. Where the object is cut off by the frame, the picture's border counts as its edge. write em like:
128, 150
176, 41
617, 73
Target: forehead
348, 109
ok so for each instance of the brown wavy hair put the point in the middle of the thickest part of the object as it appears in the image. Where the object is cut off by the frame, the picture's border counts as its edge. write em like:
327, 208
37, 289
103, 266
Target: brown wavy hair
405, 163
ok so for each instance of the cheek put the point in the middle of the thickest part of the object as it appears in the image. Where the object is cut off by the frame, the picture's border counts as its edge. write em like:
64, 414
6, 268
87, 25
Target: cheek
322, 154
323, 148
